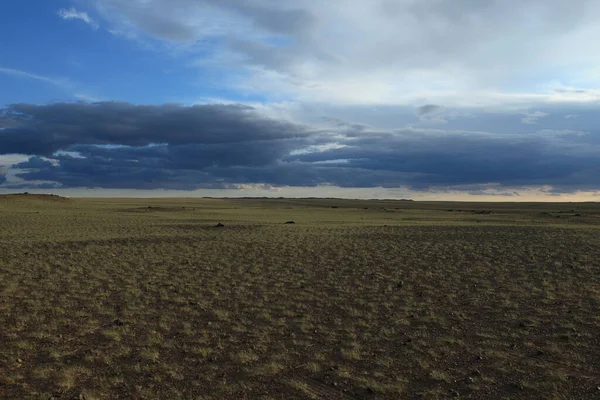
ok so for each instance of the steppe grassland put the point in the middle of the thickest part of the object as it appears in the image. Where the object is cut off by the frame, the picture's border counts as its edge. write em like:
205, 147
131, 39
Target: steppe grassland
146, 298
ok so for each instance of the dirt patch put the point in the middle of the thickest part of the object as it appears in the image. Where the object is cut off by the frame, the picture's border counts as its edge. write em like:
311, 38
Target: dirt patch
153, 209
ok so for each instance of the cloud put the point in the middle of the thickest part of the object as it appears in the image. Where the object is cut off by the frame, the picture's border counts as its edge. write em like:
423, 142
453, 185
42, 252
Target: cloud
66, 84
559, 132
23, 74
191, 20
381, 51
121, 145
86, 97
429, 109
533, 118
46, 129
34, 162
72, 13
589, 92
431, 113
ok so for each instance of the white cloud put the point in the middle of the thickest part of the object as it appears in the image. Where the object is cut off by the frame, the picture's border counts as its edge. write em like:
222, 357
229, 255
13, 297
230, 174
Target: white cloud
72, 13
6, 160
23, 74
65, 84
453, 52
87, 97
533, 118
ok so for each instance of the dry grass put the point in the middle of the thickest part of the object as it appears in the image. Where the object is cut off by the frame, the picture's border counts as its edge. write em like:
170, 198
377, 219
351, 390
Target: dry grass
147, 299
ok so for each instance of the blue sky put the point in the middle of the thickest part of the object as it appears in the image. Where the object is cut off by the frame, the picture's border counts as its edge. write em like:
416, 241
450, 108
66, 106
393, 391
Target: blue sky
81, 62
392, 98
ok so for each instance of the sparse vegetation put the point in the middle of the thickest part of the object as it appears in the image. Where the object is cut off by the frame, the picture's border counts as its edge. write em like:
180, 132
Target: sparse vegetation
137, 298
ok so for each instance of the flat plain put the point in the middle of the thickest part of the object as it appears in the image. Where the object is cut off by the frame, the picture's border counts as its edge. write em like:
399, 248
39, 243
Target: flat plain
357, 299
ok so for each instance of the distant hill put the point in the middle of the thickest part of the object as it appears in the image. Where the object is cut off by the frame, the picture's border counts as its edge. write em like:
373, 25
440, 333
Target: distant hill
30, 196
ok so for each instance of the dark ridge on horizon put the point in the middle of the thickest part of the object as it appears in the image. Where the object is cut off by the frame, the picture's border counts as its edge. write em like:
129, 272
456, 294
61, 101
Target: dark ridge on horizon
34, 196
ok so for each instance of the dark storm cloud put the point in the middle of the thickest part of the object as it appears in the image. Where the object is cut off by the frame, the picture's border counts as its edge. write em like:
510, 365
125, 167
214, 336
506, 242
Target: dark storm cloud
250, 153
119, 145
441, 158
100, 172
42, 130
34, 162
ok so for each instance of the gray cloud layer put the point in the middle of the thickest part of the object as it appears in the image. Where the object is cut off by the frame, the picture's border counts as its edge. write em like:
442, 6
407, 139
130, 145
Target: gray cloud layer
380, 51
120, 145
44, 130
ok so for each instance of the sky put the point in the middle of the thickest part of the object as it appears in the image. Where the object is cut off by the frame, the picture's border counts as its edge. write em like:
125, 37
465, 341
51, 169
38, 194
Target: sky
425, 99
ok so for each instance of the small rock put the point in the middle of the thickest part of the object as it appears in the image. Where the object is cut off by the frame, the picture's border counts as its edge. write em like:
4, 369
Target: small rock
453, 393
476, 372
290, 222
219, 225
